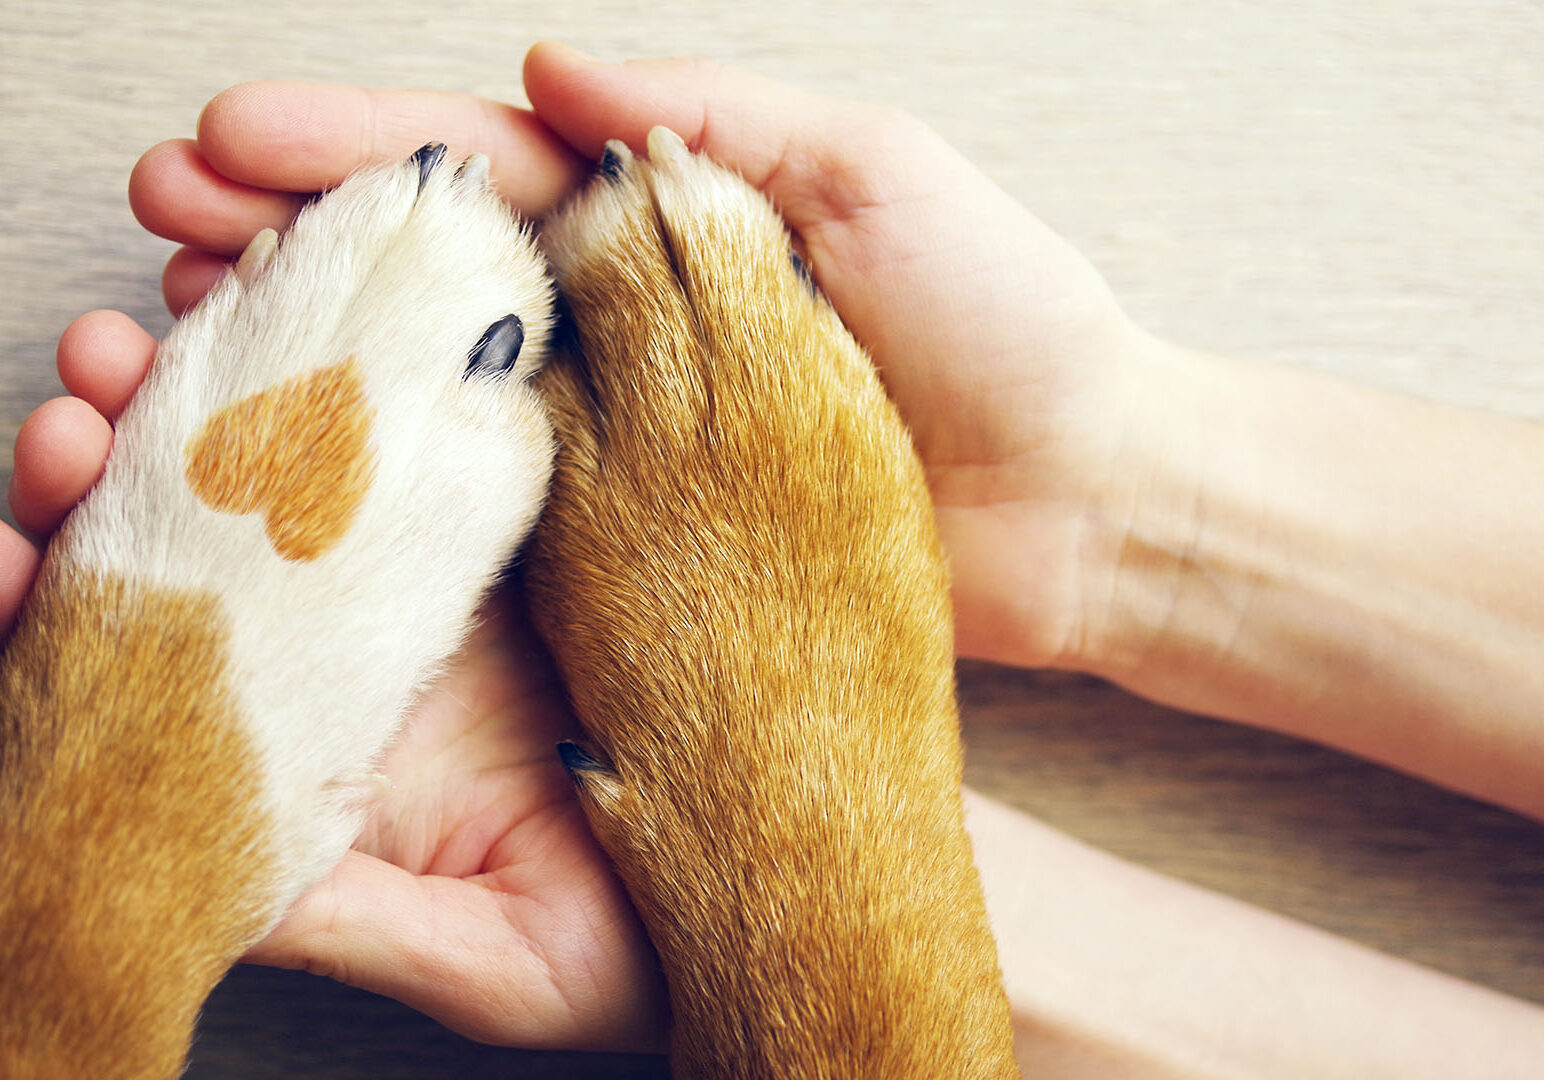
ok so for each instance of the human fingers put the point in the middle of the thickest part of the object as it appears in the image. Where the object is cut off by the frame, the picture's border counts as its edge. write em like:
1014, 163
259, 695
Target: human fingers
189, 274
18, 566
894, 222
815, 157
103, 357
932, 267
176, 193
60, 451
305, 137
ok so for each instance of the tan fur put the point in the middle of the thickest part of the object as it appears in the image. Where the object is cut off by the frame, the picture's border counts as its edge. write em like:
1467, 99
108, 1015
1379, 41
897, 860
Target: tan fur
110, 935
297, 453
739, 574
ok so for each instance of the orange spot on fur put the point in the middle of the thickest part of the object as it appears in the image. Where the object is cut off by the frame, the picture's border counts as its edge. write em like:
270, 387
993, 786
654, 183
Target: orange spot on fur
298, 453
132, 850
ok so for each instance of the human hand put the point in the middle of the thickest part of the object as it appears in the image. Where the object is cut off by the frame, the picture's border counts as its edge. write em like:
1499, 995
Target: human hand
476, 893
1000, 344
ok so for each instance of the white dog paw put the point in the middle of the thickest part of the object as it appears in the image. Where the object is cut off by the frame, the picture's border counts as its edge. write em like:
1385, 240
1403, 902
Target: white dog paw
341, 447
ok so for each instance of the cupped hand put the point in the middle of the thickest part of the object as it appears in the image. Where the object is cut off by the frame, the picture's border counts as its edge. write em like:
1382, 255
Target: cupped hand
476, 893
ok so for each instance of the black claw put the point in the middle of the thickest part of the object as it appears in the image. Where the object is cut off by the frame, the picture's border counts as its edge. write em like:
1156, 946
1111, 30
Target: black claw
577, 759
610, 166
802, 268
498, 349
427, 156
564, 336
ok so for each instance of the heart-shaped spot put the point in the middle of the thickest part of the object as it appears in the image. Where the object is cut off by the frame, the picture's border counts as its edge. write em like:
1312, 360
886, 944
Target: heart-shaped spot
298, 453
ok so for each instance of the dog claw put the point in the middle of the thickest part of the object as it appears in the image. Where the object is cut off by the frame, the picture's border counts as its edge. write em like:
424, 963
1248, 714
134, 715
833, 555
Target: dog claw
259, 250
427, 157
594, 778
802, 269
615, 159
474, 170
664, 143
498, 349
576, 759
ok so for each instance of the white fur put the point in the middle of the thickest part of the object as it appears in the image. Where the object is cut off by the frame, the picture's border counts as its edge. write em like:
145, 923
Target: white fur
327, 655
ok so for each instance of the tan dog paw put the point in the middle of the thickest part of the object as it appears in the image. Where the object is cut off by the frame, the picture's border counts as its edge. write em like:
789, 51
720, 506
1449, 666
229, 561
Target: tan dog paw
740, 577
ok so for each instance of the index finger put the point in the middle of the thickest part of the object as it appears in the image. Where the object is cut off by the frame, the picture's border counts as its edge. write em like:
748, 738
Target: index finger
302, 136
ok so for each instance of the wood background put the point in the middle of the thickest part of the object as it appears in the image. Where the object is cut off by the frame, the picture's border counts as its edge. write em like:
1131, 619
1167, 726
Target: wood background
1352, 187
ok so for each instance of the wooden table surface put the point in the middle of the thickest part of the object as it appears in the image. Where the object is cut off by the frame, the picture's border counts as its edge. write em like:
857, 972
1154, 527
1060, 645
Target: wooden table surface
1355, 188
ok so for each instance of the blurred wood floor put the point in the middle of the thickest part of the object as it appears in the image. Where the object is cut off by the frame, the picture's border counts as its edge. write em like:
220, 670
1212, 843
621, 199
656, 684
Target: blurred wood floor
1354, 188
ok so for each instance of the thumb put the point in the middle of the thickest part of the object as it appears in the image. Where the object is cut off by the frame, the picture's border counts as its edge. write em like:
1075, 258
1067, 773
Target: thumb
484, 964
426, 941
354, 926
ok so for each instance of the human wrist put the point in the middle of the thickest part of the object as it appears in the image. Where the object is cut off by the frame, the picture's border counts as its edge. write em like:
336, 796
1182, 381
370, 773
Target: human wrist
1146, 475
1172, 497
1018, 528
1278, 547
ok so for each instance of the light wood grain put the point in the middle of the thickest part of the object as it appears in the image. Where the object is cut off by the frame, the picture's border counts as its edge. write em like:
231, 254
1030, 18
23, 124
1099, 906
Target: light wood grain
1351, 187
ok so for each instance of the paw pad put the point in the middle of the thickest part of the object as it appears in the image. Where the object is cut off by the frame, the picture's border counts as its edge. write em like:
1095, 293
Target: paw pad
298, 453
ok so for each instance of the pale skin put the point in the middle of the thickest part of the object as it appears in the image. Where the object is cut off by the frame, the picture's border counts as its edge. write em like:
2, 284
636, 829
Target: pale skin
1263, 545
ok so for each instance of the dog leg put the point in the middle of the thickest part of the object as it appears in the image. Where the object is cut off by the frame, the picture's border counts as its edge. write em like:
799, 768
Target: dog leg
740, 577
331, 459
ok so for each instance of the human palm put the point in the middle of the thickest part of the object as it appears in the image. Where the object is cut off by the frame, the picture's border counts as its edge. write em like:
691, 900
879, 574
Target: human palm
477, 869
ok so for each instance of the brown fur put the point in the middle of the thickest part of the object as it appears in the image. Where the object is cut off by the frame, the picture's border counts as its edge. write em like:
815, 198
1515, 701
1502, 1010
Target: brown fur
133, 854
298, 453
739, 574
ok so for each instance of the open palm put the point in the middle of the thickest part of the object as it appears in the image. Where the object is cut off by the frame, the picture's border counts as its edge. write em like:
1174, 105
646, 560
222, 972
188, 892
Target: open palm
477, 870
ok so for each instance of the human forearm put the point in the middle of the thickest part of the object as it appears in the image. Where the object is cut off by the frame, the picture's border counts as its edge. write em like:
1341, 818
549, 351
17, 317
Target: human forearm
1117, 972
1331, 561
